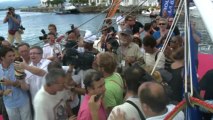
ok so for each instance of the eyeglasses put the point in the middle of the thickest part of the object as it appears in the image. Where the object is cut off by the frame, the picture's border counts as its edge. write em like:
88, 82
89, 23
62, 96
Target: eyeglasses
130, 20
35, 53
162, 23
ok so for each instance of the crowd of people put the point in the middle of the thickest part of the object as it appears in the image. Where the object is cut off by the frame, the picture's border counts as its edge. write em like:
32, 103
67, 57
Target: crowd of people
81, 80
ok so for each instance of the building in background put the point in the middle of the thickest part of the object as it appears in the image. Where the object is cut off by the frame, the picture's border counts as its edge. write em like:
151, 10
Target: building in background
137, 2
44, 3
100, 2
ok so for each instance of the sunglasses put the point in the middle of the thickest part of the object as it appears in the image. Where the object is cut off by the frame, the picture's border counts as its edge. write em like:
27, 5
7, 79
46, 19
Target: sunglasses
162, 23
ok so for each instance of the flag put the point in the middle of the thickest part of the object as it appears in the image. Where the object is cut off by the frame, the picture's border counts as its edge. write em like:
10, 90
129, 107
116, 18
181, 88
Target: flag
168, 6
193, 113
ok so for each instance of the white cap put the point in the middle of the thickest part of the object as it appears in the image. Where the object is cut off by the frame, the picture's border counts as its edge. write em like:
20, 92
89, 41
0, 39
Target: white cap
89, 38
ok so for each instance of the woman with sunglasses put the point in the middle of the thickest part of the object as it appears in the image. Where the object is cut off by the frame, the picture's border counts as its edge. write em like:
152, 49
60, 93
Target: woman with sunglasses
161, 33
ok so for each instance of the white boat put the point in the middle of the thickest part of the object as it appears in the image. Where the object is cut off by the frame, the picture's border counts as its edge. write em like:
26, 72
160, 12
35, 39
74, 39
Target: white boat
68, 8
150, 13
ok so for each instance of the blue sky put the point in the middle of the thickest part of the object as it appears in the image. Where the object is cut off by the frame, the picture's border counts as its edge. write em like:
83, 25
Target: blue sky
18, 3
10, 0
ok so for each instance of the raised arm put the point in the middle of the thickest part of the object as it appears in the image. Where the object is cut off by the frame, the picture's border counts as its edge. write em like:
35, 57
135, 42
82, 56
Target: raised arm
34, 70
5, 19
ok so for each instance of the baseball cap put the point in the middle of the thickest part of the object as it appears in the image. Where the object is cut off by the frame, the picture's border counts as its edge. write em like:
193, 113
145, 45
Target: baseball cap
89, 37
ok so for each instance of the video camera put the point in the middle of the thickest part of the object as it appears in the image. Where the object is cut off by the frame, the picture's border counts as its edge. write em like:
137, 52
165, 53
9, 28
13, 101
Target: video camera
21, 28
72, 29
9, 13
44, 37
82, 61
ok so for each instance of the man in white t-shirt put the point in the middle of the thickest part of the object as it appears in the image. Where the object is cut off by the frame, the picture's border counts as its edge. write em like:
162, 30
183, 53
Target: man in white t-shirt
35, 81
73, 97
49, 102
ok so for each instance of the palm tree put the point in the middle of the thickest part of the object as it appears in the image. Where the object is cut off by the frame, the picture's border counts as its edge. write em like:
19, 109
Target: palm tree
48, 3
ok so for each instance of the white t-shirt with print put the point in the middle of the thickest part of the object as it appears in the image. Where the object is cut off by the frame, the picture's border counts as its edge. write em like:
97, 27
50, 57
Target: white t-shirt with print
50, 107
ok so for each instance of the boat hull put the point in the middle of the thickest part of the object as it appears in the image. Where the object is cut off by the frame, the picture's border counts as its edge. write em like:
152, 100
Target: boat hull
62, 12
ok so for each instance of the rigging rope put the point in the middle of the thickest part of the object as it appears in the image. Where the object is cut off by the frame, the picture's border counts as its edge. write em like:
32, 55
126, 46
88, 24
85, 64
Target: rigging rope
100, 30
177, 15
135, 8
118, 2
180, 106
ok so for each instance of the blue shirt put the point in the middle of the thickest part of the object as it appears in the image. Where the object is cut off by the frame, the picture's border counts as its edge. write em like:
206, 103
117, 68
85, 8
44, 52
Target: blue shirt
157, 35
13, 25
18, 97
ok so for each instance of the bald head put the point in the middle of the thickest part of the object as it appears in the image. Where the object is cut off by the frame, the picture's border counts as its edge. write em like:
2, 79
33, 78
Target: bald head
153, 95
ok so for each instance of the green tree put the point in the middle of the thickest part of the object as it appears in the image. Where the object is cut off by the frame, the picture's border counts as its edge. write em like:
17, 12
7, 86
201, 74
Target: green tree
93, 3
48, 3
57, 2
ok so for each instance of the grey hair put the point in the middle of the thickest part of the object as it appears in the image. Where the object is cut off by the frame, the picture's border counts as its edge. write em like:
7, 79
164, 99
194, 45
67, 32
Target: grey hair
38, 48
53, 75
91, 75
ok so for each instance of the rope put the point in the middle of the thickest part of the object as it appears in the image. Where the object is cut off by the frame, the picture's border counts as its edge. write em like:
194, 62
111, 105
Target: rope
135, 8
118, 2
185, 52
100, 30
177, 15
188, 63
87, 20
180, 106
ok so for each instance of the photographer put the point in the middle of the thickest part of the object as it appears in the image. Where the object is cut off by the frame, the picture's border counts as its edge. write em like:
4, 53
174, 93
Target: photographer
81, 63
14, 25
52, 50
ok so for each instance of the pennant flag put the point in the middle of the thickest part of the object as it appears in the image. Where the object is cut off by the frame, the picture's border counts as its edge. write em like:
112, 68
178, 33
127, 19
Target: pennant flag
193, 113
